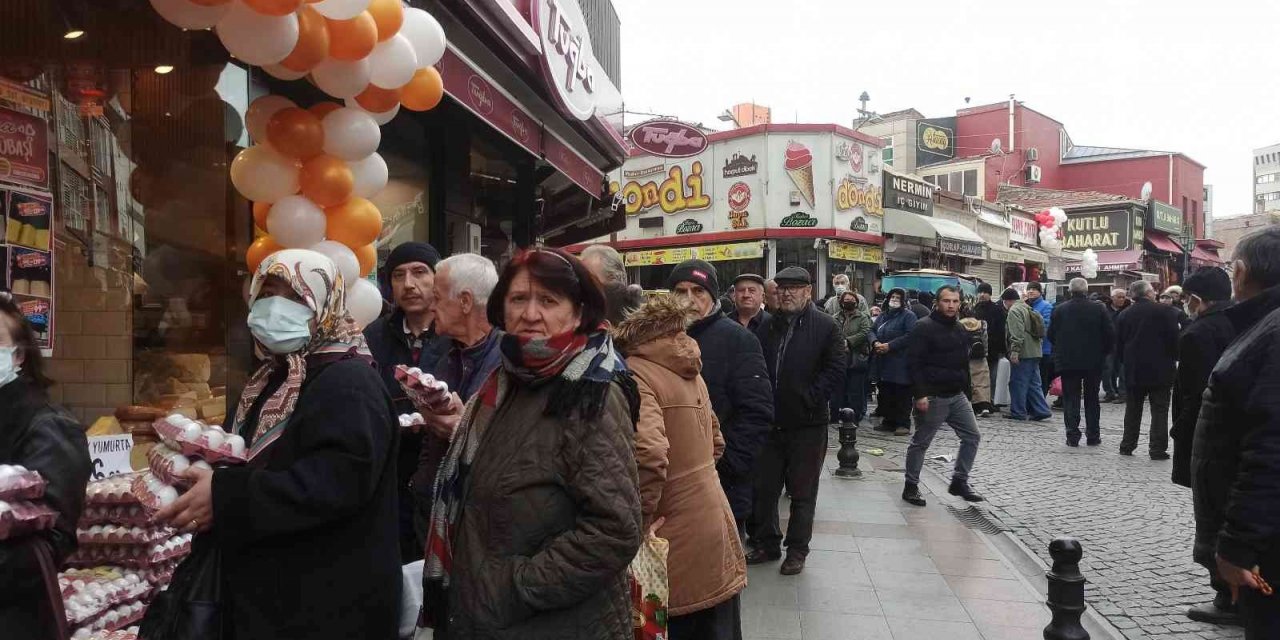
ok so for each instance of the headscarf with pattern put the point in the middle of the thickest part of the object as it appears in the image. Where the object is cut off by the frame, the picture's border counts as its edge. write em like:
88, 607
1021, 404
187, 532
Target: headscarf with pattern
317, 281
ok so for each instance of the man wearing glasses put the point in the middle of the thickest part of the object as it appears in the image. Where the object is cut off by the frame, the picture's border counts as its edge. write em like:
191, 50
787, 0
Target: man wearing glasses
805, 355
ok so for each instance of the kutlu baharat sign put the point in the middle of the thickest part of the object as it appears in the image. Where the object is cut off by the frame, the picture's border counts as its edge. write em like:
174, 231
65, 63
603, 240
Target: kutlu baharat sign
1100, 231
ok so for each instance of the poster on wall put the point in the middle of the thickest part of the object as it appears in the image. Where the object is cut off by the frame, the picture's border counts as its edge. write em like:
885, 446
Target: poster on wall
30, 280
24, 149
799, 175
739, 183
28, 218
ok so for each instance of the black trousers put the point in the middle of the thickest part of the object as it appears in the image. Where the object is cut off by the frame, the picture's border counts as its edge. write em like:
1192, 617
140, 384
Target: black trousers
1159, 438
1047, 373
1261, 614
895, 404
993, 365
1074, 385
721, 622
791, 457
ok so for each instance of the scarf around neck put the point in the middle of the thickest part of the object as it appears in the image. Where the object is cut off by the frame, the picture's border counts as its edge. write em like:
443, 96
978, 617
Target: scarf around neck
584, 365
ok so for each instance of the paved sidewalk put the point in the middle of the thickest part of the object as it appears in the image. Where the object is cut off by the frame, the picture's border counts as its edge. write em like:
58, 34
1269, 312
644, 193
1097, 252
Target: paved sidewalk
882, 569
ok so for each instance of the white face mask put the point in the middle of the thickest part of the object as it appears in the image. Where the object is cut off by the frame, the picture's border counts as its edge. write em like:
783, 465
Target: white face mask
280, 324
895, 304
841, 289
9, 368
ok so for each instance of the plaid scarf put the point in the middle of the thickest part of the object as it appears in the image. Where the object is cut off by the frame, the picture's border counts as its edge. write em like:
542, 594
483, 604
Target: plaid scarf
579, 362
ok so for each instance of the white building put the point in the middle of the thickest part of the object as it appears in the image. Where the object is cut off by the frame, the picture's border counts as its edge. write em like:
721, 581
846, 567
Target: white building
1266, 179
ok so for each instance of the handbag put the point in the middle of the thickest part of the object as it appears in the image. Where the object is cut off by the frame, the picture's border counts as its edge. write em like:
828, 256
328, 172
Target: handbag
647, 576
49, 577
191, 608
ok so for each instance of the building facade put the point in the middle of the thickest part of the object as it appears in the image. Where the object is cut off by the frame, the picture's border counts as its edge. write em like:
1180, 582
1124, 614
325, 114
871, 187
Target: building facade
1266, 179
1229, 231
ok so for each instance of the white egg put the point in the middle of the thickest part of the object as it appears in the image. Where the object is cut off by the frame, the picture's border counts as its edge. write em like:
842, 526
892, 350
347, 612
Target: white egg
237, 445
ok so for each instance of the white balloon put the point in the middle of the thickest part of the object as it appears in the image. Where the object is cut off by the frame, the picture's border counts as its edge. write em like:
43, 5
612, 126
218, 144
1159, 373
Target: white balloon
255, 38
393, 62
259, 114
350, 134
344, 258
342, 79
364, 302
370, 176
189, 15
284, 73
425, 34
261, 174
296, 222
380, 118
341, 9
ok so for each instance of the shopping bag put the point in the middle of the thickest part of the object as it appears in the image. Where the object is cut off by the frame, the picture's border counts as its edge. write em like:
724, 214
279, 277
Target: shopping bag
649, 589
410, 597
1055, 387
191, 608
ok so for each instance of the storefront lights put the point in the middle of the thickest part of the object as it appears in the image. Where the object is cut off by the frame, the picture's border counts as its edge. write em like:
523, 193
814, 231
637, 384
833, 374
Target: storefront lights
164, 68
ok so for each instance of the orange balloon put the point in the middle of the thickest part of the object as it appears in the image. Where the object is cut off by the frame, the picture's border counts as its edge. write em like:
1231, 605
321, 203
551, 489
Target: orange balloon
322, 109
389, 16
354, 223
296, 133
313, 42
375, 99
368, 257
326, 180
424, 91
260, 211
259, 250
274, 7
352, 39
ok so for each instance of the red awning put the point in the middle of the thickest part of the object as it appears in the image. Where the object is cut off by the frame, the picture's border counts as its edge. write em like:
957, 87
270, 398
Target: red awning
1162, 242
1206, 256
1113, 261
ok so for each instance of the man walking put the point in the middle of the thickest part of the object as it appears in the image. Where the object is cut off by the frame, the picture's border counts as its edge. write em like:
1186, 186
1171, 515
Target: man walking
737, 381
1024, 330
1113, 373
1083, 336
938, 358
992, 313
1147, 339
1035, 299
805, 354
748, 296
1208, 296
1235, 462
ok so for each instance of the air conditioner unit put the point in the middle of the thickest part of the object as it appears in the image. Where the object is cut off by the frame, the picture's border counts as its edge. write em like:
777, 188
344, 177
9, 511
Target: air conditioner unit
1033, 174
1033, 154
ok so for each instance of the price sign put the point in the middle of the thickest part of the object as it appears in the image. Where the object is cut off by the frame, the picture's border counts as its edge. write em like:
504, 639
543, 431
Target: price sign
110, 455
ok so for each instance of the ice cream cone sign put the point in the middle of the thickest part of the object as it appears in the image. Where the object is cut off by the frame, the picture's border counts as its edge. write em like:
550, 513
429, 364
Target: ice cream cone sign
800, 167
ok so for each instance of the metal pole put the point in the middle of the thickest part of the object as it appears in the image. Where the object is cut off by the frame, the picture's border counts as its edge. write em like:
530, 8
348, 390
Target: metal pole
848, 454
1066, 591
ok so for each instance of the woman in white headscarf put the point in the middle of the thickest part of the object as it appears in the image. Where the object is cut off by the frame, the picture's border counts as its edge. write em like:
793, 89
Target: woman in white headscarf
307, 529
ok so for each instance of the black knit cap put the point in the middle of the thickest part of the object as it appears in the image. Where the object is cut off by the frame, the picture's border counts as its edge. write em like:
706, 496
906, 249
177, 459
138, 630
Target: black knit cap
412, 252
699, 272
1010, 294
984, 288
1211, 284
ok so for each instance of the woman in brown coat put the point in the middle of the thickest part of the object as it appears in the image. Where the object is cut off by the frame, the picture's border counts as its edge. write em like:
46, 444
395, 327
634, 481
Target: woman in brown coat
677, 444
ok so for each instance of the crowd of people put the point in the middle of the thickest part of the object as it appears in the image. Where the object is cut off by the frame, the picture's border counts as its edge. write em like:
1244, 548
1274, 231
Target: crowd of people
583, 417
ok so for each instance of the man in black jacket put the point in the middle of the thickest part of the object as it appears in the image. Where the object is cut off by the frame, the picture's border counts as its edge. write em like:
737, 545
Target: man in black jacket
923, 305
1082, 336
748, 300
1147, 337
1113, 371
938, 358
1235, 461
407, 336
1208, 295
805, 355
737, 380
992, 313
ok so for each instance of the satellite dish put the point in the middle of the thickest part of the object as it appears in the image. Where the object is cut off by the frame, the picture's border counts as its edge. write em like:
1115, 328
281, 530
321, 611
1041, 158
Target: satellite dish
890, 245
1146, 191
996, 145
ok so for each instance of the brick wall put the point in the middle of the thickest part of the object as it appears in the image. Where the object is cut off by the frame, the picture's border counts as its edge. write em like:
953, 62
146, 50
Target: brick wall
93, 330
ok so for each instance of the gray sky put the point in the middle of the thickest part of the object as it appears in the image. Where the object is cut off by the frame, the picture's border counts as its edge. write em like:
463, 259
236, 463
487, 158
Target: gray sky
1172, 76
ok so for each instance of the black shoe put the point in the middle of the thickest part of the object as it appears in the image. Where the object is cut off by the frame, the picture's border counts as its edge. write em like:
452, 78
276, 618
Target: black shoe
1073, 443
911, 494
1126, 452
1093, 443
1159, 456
761, 556
1213, 614
1110, 397
1057, 404
962, 489
793, 565
1041, 418
902, 431
1120, 400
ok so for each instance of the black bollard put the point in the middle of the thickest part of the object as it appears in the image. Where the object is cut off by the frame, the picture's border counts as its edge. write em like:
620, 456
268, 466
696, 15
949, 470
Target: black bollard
1066, 591
848, 454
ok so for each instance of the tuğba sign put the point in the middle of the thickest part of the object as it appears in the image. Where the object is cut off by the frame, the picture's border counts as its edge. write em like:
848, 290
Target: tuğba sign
670, 139
567, 61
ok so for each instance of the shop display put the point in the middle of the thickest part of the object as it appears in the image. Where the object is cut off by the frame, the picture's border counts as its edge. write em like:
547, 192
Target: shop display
20, 483
24, 149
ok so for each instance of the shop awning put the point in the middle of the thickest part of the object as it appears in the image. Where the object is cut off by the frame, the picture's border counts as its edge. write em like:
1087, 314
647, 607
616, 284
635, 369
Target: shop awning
905, 223
1112, 261
1202, 255
1032, 254
1162, 242
954, 230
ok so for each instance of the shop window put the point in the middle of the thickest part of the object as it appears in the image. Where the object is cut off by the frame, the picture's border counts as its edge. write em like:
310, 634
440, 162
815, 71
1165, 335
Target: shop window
886, 154
798, 252
971, 182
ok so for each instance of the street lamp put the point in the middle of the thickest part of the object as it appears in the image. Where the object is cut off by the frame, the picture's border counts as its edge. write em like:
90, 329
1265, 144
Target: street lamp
727, 116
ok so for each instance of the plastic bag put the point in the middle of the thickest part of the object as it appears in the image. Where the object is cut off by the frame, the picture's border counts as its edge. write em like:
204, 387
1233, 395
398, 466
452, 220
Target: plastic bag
1055, 388
191, 608
650, 589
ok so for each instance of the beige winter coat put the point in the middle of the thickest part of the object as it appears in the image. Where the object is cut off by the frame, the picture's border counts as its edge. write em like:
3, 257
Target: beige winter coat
677, 444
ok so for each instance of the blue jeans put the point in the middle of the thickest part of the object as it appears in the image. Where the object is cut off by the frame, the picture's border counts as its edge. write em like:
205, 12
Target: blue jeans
1113, 377
1025, 393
